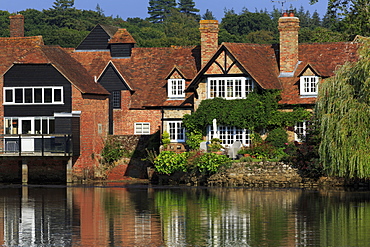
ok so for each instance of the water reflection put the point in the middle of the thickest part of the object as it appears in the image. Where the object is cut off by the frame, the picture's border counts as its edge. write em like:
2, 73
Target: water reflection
140, 215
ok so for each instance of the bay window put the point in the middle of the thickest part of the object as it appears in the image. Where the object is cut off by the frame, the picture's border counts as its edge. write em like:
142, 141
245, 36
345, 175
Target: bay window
229, 135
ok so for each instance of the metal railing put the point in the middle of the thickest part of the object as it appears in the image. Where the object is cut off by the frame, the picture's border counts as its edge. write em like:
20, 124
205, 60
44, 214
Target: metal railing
36, 145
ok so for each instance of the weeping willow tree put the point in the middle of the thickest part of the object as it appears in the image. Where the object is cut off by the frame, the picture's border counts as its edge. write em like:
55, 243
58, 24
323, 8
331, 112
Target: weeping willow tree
343, 111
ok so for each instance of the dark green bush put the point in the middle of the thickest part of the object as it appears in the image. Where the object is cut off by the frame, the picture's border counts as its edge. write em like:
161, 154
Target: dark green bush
277, 137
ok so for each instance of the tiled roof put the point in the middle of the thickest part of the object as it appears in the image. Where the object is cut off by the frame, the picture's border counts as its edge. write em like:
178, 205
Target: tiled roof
110, 30
324, 59
259, 61
93, 61
122, 36
30, 50
146, 70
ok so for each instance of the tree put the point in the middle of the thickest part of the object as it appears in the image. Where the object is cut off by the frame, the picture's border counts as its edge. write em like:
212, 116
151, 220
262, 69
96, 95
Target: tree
63, 4
343, 112
208, 15
188, 7
160, 9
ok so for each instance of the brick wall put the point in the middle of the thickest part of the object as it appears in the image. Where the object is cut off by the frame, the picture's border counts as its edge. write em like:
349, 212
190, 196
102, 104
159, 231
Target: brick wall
16, 26
93, 127
288, 28
124, 119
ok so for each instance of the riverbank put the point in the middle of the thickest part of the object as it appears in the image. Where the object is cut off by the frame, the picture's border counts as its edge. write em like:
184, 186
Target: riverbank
258, 174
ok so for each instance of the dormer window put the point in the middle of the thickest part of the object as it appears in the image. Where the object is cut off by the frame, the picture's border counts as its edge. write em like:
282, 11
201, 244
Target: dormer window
308, 85
176, 88
229, 87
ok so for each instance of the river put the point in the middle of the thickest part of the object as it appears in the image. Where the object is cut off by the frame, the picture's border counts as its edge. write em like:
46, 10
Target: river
120, 214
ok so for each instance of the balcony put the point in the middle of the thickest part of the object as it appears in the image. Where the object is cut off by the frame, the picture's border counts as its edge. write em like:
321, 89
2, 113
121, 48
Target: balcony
36, 145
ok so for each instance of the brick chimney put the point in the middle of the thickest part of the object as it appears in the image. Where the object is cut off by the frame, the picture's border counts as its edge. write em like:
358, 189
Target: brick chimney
208, 39
288, 28
16, 25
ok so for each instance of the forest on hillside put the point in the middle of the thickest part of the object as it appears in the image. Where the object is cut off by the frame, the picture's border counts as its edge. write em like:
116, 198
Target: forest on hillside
176, 23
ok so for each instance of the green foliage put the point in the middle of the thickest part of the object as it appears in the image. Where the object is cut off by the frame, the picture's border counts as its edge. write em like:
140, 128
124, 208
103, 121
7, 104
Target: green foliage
160, 9
168, 162
208, 15
188, 7
261, 151
166, 139
343, 113
257, 111
209, 163
215, 145
277, 137
112, 151
194, 139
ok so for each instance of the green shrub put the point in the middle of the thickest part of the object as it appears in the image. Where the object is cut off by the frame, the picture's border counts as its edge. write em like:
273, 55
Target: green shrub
112, 151
210, 162
277, 137
166, 139
262, 151
194, 139
168, 162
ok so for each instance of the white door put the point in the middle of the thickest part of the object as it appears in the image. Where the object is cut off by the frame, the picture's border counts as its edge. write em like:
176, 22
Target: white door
26, 126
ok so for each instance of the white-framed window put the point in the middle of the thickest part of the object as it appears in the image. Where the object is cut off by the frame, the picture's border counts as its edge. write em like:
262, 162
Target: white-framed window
116, 99
33, 95
300, 131
142, 128
229, 87
176, 88
29, 125
176, 131
308, 85
229, 135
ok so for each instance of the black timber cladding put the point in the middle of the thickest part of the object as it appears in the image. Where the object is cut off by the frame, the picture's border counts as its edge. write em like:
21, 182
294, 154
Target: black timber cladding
112, 81
121, 50
97, 39
37, 75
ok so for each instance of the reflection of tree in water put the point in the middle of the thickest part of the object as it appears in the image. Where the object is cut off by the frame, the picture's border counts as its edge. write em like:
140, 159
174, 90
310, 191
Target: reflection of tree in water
335, 218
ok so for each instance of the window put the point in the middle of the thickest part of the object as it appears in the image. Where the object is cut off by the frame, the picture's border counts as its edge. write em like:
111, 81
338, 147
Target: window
229, 87
116, 99
29, 125
176, 131
30, 95
300, 131
229, 135
176, 88
142, 128
308, 85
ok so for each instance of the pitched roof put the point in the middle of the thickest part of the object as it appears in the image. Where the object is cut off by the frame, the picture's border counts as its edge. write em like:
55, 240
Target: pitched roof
122, 36
110, 30
31, 51
323, 59
146, 70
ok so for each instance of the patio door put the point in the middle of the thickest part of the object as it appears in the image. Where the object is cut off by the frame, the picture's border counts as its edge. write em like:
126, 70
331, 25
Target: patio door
26, 126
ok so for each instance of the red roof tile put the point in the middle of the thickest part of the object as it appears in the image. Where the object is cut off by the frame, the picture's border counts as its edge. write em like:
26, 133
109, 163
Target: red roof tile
122, 36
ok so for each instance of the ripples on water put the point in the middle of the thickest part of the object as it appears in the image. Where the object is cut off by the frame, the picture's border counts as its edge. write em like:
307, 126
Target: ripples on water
141, 215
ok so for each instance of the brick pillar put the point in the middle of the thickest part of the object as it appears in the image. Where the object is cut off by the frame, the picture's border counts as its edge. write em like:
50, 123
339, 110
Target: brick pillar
288, 28
16, 25
208, 39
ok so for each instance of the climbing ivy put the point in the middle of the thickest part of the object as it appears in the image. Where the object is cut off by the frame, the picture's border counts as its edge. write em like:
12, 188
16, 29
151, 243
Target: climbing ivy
258, 111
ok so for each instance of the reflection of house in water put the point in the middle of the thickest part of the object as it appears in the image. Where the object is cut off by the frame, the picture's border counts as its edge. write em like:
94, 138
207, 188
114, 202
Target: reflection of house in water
35, 217
115, 217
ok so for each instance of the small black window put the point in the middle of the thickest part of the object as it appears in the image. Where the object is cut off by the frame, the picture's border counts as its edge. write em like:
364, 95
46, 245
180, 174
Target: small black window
19, 95
57, 95
28, 95
47, 95
8, 95
38, 95
116, 99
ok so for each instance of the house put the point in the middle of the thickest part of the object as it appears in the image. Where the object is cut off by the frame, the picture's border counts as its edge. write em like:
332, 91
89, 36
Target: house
151, 89
53, 111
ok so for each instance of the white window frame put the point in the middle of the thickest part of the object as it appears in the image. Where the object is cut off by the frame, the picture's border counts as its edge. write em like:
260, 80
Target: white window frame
23, 89
12, 125
308, 85
229, 135
142, 128
176, 88
229, 87
176, 131
300, 131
